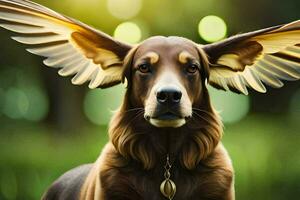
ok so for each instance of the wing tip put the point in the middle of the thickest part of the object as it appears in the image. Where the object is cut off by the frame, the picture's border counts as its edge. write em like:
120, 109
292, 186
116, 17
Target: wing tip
62, 73
76, 81
93, 86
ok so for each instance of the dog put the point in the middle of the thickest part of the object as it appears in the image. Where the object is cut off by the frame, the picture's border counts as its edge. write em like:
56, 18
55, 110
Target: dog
165, 140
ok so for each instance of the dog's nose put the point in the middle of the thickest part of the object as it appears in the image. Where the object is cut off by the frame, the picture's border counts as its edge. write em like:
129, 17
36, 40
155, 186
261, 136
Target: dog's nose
168, 95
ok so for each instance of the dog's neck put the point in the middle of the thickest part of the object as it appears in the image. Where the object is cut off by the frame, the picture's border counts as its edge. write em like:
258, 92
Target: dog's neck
167, 140
136, 139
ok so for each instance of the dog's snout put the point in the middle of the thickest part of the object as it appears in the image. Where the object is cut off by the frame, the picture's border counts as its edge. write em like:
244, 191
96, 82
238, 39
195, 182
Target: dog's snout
168, 95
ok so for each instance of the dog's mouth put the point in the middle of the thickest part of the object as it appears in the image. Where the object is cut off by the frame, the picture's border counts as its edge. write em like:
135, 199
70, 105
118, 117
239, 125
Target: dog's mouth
167, 116
167, 119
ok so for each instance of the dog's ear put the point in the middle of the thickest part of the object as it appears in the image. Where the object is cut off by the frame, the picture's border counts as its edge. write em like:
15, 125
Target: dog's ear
251, 59
66, 43
127, 66
204, 63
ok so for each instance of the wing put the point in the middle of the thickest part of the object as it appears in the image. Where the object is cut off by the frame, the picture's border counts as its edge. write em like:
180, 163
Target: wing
69, 45
253, 59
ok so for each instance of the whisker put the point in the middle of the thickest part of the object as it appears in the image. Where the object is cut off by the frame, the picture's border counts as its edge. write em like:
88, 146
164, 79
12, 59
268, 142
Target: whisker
134, 109
138, 114
201, 110
195, 123
197, 115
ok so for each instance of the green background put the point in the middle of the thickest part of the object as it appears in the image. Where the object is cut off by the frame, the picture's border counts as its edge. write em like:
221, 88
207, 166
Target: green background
48, 126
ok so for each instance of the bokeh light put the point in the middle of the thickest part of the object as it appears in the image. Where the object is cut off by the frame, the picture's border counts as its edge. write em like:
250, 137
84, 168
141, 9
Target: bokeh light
212, 28
100, 104
15, 103
124, 9
128, 32
29, 103
232, 107
38, 106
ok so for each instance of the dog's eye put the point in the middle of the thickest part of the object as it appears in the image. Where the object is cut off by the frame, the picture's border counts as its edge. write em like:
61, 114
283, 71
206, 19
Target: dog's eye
144, 68
192, 68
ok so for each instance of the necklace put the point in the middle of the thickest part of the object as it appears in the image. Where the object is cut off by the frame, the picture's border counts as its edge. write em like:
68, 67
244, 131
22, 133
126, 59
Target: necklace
168, 187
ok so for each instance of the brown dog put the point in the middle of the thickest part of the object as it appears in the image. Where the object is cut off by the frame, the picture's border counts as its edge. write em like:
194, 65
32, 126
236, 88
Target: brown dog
165, 139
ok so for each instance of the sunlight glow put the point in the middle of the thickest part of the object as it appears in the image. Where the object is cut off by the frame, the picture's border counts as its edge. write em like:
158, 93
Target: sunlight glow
124, 9
128, 32
212, 28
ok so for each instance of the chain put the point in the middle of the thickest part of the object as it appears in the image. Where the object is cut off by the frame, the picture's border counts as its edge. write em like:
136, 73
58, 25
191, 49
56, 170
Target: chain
167, 167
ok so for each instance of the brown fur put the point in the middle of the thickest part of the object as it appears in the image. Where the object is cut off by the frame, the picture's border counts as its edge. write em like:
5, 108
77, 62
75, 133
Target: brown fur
131, 164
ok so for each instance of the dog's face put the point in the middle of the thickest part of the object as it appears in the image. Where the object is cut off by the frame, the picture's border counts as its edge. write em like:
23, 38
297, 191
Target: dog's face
166, 79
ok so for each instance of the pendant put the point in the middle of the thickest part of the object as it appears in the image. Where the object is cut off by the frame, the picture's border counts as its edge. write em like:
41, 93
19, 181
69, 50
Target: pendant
168, 187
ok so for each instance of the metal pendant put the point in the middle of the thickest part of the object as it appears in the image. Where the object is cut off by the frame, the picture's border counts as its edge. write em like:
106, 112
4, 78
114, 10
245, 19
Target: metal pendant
168, 187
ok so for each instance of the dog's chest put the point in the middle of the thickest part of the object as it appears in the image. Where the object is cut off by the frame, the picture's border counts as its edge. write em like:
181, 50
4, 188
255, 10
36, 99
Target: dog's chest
147, 184
132, 183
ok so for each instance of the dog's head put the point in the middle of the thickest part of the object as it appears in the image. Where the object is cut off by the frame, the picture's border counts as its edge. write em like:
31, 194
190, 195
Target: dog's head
166, 76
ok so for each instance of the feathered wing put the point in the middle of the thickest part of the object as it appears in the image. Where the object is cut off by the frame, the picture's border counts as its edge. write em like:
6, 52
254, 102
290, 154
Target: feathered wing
253, 59
67, 44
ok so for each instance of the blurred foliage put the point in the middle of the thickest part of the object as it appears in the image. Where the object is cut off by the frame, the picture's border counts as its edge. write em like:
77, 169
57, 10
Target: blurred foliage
47, 123
265, 153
